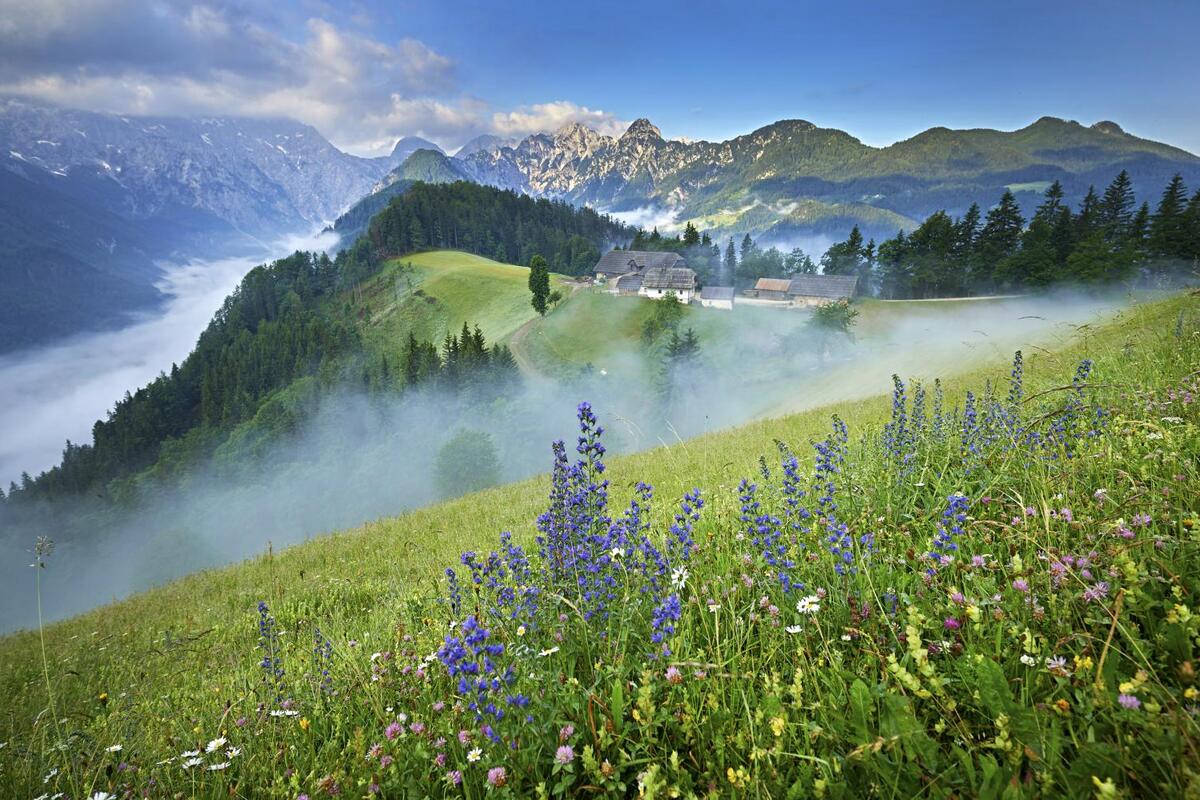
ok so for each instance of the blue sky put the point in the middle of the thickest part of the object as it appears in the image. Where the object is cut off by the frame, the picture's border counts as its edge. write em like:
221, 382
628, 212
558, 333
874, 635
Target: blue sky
366, 72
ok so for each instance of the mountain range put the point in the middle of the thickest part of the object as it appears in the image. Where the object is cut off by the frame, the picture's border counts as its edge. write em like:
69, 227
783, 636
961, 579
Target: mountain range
794, 179
92, 203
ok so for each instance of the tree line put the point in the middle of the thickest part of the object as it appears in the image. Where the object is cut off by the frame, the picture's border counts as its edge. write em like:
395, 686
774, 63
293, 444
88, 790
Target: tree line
1110, 237
498, 224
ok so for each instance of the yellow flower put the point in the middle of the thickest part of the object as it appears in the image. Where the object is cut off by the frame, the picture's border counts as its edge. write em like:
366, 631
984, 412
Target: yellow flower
1191, 693
1106, 789
973, 613
1083, 664
520, 630
304, 723
777, 725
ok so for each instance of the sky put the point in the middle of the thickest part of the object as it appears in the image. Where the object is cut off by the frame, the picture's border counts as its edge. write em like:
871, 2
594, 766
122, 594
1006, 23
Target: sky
365, 72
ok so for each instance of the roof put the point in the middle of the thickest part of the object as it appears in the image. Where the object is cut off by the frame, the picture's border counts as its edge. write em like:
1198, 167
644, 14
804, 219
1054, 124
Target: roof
772, 284
629, 282
833, 287
615, 262
716, 293
669, 278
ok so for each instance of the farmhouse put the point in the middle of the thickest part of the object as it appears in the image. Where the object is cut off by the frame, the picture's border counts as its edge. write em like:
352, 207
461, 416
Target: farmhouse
814, 290
660, 281
616, 263
717, 297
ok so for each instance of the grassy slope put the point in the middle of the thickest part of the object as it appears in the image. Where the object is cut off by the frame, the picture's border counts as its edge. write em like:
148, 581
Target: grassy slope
442, 290
354, 577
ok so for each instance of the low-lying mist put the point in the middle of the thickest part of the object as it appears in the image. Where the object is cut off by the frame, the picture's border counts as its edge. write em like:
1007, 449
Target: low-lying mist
359, 457
57, 392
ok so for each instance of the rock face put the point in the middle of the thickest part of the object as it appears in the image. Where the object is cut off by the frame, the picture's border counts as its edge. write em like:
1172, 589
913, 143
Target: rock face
258, 176
793, 177
91, 201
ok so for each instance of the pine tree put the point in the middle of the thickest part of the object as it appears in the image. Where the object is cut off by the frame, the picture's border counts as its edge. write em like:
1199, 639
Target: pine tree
1116, 208
691, 236
730, 260
539, 283
1089, 215
747, 248
1001, 234
1168, 228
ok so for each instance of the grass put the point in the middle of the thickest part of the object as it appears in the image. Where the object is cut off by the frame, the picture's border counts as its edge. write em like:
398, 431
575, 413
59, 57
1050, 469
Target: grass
432, 294
854, 704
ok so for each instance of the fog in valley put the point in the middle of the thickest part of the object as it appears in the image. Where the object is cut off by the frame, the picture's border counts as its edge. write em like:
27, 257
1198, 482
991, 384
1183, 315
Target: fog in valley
359, 457
54, 393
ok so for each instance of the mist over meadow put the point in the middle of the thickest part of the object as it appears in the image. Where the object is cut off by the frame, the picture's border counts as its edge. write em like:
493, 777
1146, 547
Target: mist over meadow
361, 456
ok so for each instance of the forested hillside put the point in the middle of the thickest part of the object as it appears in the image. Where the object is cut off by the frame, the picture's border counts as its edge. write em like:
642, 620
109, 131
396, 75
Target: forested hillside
299, 317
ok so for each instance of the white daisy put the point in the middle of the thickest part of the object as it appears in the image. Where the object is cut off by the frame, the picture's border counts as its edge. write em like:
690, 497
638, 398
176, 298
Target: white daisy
1028, 660
474, 755
193, 762
679, 577
215, 744
549, 652
808, 605
793, 628
116, 748
216, 767
233, 752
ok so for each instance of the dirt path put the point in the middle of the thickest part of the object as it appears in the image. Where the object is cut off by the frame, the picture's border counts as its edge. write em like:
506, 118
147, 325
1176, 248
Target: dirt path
517, 340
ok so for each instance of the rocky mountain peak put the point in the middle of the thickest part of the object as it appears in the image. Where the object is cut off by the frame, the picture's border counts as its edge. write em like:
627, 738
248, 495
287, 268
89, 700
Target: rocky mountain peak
642, 129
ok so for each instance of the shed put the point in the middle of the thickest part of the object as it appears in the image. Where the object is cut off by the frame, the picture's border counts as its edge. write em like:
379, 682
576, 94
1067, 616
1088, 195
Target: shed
813, 290
660, 281
771, 289
717, 297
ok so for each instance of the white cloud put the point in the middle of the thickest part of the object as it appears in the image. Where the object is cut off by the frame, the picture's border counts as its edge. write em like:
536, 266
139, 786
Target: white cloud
220, 57
547, 117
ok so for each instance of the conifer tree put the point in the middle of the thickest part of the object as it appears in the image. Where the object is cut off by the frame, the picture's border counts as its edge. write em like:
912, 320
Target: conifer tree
730, 260
1116, 207
539, 283
1168, 226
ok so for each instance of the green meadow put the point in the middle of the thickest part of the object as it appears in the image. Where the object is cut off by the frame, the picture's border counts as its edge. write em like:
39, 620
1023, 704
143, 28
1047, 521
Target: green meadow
999, 668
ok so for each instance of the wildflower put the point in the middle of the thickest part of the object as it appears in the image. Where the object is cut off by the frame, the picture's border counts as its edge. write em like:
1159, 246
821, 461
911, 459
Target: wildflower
304, 723
778, 725
1028, 660
566, 733
1058, 665
520, 630
978, 561
218, 767
215, 744
385, 762
1021, 585
1129, 701
233, 752
116, 748
793, 629
454, 777
549, 652
393, 730
679, 577
1096, 592
809, 604
440, 759
564, 754
674, 676
497, 776
100, 796
474, 755
193, 762
951, 624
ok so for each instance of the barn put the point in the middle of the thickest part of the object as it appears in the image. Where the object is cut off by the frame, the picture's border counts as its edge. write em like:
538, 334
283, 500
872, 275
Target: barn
717, 297
815, 290
661, 281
